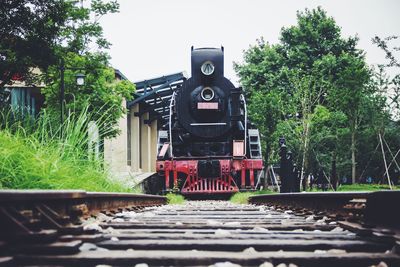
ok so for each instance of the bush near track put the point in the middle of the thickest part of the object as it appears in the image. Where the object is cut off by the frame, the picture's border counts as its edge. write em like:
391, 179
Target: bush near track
243, 197
175, 198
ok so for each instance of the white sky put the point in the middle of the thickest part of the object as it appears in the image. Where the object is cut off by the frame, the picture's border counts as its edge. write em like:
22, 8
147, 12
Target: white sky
153, 37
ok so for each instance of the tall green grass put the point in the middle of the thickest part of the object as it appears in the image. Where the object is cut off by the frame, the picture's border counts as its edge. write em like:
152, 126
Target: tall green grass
42, 154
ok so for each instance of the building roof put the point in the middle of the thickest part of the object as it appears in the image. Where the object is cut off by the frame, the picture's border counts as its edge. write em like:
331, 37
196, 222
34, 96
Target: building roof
119, 75
19, 83
154, 95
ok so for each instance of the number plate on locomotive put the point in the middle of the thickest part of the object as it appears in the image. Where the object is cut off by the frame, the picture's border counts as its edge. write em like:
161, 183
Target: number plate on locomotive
207, 105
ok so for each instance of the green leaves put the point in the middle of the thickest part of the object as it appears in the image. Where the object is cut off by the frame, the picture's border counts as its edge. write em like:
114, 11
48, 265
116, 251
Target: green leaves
100, 8
37, 33
68, 30
102, 93
314, 36
313, 87
28, 31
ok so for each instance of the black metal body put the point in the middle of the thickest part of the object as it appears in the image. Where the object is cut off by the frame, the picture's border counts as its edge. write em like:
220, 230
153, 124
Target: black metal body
207, 131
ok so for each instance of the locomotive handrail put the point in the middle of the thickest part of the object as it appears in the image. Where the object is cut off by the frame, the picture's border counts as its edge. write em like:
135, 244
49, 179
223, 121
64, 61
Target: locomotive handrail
245, 123
171, 104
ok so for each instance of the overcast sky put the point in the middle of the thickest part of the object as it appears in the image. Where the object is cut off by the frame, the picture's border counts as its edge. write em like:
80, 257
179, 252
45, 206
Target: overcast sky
153, 37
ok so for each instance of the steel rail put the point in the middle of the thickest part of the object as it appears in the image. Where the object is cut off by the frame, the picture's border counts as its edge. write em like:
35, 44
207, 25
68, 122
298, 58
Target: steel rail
137, 229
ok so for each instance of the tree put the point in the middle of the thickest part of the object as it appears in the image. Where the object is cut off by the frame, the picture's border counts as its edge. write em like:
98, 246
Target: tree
308, 97
36, 33
328, 143
315, 36
62, 30
82, 30
266, 112
101, 95
349, 94
303, 69
389, 85
29, 30
390, 53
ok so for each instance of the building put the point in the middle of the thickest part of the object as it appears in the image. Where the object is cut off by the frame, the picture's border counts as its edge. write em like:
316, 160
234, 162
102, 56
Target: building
22, 97
132, 155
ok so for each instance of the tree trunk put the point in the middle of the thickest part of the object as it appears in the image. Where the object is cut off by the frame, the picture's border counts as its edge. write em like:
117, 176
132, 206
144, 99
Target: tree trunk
334, 180
305, 148
384, 161
266, 163
353, 156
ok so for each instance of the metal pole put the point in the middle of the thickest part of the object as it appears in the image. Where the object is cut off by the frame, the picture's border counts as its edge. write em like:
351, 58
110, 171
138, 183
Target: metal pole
62, 87
284, 169
384, 160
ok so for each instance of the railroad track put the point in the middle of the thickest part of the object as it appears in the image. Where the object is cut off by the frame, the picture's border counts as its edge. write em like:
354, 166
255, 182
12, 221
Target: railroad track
275, 230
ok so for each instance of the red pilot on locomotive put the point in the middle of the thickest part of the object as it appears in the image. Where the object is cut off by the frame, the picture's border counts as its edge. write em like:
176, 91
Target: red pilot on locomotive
208, 146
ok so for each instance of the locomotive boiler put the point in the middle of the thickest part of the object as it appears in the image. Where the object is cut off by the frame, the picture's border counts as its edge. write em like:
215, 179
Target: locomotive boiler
208, 145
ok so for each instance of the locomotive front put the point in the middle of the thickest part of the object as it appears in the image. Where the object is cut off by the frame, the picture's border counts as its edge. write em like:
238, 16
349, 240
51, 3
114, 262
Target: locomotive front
208, 146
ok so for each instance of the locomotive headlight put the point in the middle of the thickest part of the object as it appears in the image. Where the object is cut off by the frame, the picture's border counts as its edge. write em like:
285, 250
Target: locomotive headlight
207, 68
207, 94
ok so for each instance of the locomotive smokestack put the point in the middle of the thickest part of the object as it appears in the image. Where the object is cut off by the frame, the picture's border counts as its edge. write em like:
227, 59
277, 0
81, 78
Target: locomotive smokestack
207, 63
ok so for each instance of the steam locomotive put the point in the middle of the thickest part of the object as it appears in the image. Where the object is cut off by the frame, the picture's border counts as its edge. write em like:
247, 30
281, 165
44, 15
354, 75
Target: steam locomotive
208, 145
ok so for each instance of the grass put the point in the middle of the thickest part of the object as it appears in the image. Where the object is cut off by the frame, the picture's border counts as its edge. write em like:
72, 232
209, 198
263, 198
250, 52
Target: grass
243, 197
358, 187
365, 187
175, 198
38, 156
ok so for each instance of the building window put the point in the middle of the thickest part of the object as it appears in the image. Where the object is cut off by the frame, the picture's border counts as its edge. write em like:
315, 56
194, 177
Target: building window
26, 100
